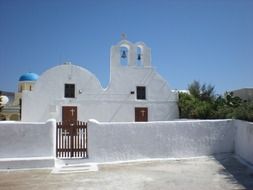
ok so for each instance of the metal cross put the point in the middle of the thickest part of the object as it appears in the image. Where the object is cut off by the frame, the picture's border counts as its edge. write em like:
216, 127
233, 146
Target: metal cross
143, 113
123, 36
72, 111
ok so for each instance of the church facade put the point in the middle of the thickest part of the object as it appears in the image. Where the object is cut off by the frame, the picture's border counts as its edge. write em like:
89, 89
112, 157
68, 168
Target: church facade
136, 92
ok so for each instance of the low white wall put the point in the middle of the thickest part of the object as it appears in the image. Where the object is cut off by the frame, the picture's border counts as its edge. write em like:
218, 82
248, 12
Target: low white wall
244, 140
129, 141
26, 145
24, 140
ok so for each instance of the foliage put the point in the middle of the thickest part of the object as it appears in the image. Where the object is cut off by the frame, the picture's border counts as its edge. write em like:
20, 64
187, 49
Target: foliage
202, 92
202, 103
199, 103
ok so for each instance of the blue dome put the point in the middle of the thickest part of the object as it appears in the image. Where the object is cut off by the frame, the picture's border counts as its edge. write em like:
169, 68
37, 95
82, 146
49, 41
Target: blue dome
29, 77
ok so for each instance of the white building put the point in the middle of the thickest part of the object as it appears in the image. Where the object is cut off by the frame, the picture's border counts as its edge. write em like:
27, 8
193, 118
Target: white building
136, 92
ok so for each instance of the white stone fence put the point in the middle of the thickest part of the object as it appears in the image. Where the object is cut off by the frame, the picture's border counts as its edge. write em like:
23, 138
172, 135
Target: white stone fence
170, 139
244, 140
25, 145
28, 145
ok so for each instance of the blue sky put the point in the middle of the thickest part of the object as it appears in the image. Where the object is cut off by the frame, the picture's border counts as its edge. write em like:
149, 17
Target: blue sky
206, 40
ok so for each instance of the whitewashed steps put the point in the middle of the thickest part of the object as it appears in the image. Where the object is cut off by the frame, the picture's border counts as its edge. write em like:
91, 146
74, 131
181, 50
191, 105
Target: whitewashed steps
78, 168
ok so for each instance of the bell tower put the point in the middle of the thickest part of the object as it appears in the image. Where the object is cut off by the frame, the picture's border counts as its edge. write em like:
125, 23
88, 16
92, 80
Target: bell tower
128, 54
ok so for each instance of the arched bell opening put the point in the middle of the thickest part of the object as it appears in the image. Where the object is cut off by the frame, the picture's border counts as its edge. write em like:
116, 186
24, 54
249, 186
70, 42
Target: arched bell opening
124, 55
139, 56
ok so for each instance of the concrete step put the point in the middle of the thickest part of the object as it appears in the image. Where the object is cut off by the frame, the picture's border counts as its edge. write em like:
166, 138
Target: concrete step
77, 168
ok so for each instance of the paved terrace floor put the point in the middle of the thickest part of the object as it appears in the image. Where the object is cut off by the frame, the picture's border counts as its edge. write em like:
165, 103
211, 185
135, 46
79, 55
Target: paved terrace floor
215, 173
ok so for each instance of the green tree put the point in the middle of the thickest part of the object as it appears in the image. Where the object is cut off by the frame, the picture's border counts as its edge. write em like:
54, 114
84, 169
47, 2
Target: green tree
202, 92
199, 104
232, 107
185, 104
202, 103
231, 100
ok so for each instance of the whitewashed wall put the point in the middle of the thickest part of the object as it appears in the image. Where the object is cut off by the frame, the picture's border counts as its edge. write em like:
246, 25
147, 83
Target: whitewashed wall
130, 141
244, 140
115, 103
30, 145
25, 140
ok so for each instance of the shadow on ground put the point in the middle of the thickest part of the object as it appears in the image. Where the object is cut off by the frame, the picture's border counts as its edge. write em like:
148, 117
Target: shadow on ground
234, 171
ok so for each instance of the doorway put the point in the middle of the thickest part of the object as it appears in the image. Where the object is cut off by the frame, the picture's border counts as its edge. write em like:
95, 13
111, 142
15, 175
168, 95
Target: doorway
69, 113
141, 114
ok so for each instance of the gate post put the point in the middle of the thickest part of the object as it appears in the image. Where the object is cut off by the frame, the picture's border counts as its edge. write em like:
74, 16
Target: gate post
52, 123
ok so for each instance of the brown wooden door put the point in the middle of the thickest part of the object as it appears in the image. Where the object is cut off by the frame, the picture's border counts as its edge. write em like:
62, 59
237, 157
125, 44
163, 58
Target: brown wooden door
69, 113
141, 114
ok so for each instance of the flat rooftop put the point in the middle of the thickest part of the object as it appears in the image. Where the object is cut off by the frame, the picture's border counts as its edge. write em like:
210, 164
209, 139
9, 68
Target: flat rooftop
217, 172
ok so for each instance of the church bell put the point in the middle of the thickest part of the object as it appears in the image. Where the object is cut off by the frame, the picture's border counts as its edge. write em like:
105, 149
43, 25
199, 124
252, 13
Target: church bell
123, 54
139, 57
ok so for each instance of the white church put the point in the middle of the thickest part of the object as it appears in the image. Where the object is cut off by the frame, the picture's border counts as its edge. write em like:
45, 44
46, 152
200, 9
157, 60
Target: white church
136, 92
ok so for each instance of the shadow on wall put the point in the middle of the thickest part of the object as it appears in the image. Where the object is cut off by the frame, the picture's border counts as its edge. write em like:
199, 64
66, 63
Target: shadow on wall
234, 171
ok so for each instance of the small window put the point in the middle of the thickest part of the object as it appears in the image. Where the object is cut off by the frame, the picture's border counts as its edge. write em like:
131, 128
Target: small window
141, 92
69, 90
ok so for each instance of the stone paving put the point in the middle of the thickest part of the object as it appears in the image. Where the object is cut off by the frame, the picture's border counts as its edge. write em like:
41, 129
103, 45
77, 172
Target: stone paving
215, 173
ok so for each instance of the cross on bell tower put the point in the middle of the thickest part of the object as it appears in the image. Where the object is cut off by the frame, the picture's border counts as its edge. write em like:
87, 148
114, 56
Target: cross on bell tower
123, 36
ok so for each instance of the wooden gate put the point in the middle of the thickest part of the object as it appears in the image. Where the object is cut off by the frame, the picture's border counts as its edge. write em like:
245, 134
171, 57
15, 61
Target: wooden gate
71, 139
